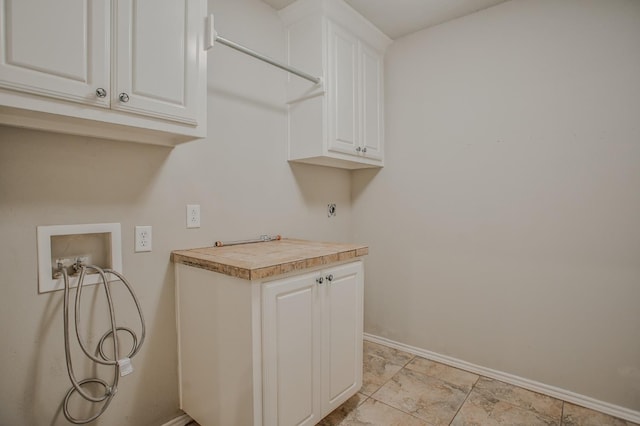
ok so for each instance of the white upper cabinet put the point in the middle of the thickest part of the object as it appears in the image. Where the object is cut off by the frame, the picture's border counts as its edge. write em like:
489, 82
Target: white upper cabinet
372, 87
340, 122
344, 132
156, 70
58, 49
117, 69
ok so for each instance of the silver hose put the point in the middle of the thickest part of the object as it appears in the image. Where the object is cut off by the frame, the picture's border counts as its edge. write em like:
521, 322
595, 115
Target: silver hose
109, 390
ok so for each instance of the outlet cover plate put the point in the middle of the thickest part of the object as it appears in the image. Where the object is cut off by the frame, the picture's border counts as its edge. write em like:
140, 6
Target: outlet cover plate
193, 215
143, 239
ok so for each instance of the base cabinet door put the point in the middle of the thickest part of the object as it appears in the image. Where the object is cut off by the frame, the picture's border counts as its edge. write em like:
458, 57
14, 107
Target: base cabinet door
291, 352
311, 344
342, 319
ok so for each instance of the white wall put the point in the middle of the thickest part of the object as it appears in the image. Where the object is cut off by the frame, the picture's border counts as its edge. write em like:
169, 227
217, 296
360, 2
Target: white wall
505, 227
240, 177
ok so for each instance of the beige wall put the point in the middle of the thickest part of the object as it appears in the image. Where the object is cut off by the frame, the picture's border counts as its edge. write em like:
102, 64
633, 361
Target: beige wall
505, 227
240, 177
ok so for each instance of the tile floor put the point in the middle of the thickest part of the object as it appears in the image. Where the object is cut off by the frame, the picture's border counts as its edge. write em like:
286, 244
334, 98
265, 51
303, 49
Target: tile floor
400, 389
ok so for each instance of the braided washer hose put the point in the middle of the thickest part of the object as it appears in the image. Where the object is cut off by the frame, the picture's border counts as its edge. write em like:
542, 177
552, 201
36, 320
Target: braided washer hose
109, 389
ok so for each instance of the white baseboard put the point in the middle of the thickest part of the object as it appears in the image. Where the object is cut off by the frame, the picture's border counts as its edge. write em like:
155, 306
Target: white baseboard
179, 421
563, 394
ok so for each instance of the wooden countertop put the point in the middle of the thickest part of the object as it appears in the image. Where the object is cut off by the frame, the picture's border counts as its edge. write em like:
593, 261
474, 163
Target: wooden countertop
262, 260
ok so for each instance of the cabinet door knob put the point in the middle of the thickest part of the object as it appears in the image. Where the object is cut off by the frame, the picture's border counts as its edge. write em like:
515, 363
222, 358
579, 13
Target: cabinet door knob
358, 149
364, 149
320, 280
124, 97
101, 93
330, 277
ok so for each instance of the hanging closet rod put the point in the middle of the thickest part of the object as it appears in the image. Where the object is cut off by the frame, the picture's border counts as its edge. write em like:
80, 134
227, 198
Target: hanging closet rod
213, 37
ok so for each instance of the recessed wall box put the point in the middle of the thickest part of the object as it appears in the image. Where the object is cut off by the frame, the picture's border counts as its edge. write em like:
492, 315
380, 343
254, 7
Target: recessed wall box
100, 243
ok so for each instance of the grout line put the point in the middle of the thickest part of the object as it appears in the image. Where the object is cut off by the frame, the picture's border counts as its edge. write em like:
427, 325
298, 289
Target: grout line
387, 381
425, 375
402, 412
562, 414
521, 407
464, 402
413, 356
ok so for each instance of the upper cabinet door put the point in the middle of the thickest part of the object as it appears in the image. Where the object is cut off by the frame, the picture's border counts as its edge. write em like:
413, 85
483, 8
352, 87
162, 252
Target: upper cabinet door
343, 91
58, 49
156, 59
371, 68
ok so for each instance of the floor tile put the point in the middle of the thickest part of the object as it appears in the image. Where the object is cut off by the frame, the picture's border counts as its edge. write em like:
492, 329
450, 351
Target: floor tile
376, 372
482, 410
574, 415
338, 415
422, 396
459, 378
374, 413
533, 401
391, 355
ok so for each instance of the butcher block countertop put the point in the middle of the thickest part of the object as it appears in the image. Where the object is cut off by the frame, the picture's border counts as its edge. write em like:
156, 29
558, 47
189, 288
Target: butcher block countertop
267, 259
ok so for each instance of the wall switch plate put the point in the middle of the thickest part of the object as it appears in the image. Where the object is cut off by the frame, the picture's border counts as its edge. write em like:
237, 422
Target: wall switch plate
193, 215
143, 238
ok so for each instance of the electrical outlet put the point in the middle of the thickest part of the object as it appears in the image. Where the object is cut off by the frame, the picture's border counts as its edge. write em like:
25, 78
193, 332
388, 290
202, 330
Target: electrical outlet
143, 238
193, 215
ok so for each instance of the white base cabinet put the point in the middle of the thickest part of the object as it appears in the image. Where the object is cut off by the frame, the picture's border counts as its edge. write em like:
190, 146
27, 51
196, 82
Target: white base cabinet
116, 69
285, 352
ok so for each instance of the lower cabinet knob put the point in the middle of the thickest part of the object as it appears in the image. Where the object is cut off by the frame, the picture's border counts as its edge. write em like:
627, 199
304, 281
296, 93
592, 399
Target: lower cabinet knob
330, 277
101, 93
124, 97
320, 280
